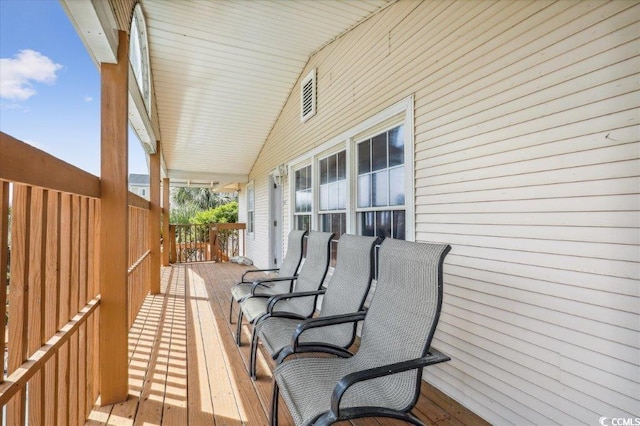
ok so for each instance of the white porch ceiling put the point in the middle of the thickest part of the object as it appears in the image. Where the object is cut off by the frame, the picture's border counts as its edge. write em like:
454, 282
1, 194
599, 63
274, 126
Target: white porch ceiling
222, 71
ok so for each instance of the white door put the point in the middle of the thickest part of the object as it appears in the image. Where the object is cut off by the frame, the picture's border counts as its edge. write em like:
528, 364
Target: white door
275, 231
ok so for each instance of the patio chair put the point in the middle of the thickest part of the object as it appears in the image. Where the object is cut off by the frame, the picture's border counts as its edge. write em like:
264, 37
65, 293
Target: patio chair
288, 268
310, 278
345, 294
383, 378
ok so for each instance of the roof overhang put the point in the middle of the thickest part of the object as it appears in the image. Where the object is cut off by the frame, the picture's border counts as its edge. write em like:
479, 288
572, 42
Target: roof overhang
221, 73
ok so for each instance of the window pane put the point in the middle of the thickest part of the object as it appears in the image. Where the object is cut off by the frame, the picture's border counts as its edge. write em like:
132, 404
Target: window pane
342, 165
364, 160
366, 223
302, 222
307, 200
380, 188
325, 222
383, 224
332, 171
333, 196
396, 186
342, 194
379, 149
398, 224
323, 171
396, 146
364, 191
324, 196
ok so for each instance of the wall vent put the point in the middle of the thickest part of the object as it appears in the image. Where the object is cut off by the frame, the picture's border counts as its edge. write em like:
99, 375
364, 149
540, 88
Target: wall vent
308, 96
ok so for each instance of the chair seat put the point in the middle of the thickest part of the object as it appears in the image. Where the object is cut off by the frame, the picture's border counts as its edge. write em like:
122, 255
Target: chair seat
276, 332
254, 307
241, 290
308, 395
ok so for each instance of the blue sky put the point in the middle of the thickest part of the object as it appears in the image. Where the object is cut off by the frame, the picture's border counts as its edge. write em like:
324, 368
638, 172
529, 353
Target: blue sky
50, 88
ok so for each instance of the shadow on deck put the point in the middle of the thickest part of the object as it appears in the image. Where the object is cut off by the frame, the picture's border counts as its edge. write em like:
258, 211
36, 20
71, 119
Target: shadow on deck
186, 369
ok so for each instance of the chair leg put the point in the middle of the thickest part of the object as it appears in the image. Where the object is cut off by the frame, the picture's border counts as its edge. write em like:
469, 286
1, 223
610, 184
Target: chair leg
231, 311
239, 329
274, 404
253, 353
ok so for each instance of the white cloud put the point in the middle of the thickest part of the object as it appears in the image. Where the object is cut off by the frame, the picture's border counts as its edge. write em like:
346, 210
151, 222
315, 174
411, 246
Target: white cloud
18, 73
88, 98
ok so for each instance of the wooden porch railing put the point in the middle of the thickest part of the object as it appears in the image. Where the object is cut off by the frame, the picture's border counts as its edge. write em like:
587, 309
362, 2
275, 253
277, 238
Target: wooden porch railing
51, 340
139, 259
198, 243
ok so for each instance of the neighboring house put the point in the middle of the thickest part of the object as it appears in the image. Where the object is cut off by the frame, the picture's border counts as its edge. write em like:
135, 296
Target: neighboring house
139, 185
510, 131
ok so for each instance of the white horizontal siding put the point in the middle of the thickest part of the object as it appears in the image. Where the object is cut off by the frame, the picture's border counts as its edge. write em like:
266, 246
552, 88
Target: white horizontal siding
527, 161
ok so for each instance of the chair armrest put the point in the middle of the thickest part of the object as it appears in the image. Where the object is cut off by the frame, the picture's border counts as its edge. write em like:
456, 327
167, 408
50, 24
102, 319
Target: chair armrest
325, 322
307, 324
251, 271
433, 357
285, 296
265, 282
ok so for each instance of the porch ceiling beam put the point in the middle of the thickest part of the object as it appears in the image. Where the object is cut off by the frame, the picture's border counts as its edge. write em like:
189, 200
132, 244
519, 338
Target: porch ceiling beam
95, 24
185, 175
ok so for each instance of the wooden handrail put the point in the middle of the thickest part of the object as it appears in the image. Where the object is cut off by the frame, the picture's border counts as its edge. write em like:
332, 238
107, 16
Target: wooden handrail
22, 163
135, 200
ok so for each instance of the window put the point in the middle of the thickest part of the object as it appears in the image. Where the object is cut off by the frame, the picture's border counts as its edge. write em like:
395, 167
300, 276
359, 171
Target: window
332, 211
143, 192
359, 182
250, 210
302, 194
380, 185
139, 56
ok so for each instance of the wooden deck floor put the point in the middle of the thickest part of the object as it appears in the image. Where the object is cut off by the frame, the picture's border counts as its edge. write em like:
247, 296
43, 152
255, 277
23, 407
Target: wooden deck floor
185, 368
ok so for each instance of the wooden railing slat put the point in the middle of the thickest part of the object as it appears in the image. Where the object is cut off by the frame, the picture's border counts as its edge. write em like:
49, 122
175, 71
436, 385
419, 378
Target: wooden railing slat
51, 298
35, 335
18, 297
4, 237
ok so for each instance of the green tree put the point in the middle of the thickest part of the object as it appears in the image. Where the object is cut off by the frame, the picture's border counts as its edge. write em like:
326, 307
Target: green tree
202, 198
226, 213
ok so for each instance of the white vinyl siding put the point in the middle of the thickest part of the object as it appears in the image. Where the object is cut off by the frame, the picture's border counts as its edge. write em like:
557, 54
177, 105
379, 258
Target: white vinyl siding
527, 161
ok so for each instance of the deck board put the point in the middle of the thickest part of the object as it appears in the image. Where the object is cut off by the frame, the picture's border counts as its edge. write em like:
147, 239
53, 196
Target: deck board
185, 367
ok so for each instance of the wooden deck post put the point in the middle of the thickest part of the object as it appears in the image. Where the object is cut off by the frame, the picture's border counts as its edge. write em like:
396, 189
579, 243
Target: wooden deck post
166, 213
114, 227
154, 220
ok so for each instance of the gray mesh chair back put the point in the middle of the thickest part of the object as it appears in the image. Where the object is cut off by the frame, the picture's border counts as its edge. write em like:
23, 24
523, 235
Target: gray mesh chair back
347, 289
288, 268
403, 314
394, 346
293, 258
346, 292
312, 273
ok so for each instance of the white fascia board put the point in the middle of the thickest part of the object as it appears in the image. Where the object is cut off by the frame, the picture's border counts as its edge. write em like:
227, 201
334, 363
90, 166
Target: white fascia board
221, 178
95, 24
138, 117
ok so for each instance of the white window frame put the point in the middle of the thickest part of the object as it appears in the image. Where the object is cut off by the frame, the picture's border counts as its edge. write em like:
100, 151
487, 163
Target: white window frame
139, 55
292, 193
396, 114
251, 218
382, 127
316, 184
